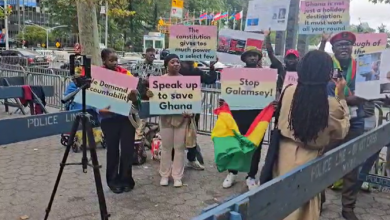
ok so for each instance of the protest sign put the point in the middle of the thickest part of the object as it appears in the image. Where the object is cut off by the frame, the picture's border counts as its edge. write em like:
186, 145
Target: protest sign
373, 75
194, 43
265, 14
317, 17
109, 88
290, 78
174, 95
369, 43
248, 88
232, 43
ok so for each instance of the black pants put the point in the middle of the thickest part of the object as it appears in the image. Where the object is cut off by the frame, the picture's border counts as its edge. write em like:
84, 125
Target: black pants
244, 119
119, 134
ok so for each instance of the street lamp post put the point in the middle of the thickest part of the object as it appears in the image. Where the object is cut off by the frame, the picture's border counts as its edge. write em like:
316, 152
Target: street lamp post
47, 31
6, 26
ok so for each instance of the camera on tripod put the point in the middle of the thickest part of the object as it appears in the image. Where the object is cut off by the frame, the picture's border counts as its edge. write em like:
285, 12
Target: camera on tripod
80, 69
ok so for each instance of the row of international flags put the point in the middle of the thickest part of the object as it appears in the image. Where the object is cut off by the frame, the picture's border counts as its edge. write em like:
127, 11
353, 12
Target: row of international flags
215, 16
220, 15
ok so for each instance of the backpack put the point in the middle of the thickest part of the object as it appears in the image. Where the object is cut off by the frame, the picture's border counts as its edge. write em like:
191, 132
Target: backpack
139, 156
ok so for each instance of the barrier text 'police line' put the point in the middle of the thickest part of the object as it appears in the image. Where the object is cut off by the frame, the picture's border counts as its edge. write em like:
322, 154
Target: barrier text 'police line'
281, 196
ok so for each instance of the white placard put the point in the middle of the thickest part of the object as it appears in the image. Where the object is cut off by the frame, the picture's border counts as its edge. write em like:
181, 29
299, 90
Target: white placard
266, 14
373, 75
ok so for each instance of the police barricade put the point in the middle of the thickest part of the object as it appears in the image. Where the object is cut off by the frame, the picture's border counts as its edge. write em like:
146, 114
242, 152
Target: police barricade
24, 61
58, 82
7, 70
40, 70
14, 60
269, 201
61, 72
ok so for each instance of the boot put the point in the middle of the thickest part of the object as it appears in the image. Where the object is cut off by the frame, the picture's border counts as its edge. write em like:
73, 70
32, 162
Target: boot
349, 215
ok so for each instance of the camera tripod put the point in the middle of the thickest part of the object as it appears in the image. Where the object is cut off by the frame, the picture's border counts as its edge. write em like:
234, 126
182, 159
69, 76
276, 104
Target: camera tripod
86, 126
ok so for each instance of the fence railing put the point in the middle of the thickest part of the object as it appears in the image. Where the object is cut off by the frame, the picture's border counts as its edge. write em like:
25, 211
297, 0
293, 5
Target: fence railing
279, 197
59, 79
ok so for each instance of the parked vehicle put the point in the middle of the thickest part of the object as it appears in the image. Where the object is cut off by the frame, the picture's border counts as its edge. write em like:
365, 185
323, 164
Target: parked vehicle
22, 57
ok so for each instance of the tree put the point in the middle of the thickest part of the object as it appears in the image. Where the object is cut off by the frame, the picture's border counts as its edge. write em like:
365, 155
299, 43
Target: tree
361, 28
4, 12
33, 35
383, 29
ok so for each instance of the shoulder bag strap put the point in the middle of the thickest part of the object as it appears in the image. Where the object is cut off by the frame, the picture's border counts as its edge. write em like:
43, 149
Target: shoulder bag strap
277, 111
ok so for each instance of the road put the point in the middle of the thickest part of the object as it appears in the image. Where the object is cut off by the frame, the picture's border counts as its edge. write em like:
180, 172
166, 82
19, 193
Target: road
28, 171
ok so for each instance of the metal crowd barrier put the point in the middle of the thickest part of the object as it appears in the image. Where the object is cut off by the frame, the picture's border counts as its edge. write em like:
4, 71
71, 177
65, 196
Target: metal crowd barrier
269, 201
23, 61
60, 79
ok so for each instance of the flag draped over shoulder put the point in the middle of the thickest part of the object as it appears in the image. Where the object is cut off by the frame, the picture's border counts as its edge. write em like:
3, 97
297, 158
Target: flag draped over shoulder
233, 151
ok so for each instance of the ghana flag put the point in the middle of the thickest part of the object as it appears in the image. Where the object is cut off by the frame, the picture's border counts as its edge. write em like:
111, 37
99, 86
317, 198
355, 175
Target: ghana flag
233, 151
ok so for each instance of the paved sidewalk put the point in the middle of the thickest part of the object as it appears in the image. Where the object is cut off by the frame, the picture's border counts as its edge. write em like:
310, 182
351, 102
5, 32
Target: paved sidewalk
28, 171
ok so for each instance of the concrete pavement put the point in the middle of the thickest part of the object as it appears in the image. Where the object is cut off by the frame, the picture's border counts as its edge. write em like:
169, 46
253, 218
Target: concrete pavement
28, 171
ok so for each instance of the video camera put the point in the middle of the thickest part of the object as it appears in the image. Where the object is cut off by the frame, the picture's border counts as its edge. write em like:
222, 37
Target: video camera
80, 69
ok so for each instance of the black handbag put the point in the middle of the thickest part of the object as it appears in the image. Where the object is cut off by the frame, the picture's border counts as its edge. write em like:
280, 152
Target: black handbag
273, 148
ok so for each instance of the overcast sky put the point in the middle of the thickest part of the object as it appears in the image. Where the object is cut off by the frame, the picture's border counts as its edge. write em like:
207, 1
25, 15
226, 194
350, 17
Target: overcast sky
373, 14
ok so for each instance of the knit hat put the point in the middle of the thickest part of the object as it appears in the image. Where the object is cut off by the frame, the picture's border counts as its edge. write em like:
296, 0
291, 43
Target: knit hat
168, 58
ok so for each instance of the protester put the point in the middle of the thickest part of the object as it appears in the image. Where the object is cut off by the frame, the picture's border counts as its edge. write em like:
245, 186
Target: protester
307, 128
119, 134
188, 69
244, 119
342, 45
144, 70
290, 61
173, 134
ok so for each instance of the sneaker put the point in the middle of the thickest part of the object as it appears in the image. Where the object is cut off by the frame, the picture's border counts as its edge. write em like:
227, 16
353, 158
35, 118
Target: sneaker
164, 181
229, 180
366, 187
177, 183
251, 183
195, 165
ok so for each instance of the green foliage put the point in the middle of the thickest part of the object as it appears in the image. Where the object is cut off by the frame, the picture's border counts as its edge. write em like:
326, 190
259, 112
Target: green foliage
5, 12
33, 34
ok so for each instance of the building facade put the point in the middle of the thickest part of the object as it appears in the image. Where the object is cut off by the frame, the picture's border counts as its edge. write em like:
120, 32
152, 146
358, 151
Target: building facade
23, 12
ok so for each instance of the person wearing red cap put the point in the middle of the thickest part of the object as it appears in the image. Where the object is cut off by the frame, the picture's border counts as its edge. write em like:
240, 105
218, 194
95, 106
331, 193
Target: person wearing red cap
290, 61
342, 45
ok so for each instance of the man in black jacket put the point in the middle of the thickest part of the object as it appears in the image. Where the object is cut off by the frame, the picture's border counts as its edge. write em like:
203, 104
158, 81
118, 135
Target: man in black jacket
244, 119
291, 60
208, 78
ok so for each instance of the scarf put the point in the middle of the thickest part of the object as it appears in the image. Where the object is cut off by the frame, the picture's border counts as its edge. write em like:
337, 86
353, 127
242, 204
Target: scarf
351, 73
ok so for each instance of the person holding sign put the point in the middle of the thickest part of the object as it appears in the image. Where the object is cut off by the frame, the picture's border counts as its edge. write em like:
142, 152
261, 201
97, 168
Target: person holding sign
188, 69
119, 134
290, 61
173, 130
342, 46
244, 119
309, 119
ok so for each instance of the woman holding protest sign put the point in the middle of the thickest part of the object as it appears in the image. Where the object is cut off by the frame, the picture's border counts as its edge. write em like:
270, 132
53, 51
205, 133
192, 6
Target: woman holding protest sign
306, 129
119, 134
173, 131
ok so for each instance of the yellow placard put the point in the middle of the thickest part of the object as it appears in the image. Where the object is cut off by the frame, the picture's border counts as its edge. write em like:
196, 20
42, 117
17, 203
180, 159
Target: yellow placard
58, 44
177, 3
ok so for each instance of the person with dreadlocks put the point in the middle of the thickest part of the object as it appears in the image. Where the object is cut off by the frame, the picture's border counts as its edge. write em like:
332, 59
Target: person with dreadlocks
290, 61
309, 119
342, 44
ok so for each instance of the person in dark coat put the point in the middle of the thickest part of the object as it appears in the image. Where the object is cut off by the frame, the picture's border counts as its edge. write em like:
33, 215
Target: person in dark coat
207, 78
244, 119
